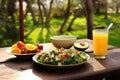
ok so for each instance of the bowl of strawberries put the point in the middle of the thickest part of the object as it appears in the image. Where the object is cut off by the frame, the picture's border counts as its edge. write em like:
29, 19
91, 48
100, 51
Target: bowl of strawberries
24, 50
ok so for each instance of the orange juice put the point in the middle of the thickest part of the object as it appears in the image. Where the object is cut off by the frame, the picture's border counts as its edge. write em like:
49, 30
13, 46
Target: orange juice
100, 43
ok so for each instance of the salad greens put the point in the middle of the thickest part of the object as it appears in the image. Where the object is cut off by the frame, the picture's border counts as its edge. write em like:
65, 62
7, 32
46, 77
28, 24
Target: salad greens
62, 57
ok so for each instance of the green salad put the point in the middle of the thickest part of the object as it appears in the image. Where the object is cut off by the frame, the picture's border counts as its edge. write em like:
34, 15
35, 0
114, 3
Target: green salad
62, 57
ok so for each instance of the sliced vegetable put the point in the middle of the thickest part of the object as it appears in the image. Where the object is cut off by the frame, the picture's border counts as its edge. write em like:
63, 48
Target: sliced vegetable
62, 57
81, 46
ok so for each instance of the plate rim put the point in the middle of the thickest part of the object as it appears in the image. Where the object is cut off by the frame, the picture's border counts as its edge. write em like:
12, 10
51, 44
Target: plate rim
8, 50
49, 65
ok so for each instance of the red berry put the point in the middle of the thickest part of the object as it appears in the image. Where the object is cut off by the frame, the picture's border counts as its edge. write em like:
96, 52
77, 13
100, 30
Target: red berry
40, 47
29, 52
22, 52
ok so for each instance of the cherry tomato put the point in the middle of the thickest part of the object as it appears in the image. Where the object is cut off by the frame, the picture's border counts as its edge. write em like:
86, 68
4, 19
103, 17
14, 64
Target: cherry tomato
66, 55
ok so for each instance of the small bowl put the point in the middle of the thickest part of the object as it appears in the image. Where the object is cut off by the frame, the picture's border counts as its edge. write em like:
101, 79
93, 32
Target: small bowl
63, 41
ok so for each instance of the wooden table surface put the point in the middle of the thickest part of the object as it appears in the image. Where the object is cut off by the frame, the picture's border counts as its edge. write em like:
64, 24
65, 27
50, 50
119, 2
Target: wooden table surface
12, 68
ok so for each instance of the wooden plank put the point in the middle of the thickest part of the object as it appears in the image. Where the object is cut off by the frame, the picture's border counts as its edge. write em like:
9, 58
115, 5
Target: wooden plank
13, 69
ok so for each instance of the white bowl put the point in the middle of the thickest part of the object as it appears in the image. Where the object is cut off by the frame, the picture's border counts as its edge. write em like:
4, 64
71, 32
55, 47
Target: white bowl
63, 41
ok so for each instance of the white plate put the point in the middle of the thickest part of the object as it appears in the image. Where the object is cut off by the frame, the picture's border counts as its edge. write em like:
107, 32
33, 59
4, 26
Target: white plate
23, 56
56, 66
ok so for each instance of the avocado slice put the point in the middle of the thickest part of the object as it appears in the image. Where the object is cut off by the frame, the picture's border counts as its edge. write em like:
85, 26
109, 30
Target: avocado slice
82, 46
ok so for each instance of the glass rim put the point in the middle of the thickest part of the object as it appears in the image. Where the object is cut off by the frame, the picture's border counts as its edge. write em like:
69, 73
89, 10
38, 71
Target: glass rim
100, 31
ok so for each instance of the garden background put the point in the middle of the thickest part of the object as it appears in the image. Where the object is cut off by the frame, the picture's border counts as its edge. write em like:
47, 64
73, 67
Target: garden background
46, 18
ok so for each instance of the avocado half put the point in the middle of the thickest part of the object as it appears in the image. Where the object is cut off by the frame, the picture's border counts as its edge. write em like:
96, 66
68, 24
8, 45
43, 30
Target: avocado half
82, 46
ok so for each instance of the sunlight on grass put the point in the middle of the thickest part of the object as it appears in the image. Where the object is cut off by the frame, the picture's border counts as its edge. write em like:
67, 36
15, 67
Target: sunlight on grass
79, 33
113, 40
34, 35
37, 34
80, 21
28, 21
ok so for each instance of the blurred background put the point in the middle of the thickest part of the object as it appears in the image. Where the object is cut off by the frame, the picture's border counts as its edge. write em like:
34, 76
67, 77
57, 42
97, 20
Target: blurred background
46, 18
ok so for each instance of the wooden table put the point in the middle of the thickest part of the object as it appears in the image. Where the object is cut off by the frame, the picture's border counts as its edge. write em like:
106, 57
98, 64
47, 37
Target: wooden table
12, 68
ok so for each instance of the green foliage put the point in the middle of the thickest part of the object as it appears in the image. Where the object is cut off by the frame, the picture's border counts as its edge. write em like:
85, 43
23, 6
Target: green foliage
114, 31
42, 35
9, 32
39, 34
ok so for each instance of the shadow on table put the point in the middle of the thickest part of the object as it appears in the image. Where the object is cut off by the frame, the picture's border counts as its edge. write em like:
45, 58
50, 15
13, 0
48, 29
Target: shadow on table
17, 59
17, 63
9, 60
47, 73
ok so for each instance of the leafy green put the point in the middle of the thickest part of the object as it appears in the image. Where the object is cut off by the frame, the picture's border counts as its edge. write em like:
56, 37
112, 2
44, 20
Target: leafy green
63, 57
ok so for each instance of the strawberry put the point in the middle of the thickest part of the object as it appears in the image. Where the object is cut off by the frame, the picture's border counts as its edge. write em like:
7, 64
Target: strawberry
40, 47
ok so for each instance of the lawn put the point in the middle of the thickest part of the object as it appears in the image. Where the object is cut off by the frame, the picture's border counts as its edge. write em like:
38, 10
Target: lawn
38, 34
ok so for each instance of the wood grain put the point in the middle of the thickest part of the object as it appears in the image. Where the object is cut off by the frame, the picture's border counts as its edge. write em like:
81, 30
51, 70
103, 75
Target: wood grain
12, 68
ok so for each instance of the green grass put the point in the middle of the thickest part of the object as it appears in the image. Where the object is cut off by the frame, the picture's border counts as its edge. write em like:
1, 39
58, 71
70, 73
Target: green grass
38, 34
114, 31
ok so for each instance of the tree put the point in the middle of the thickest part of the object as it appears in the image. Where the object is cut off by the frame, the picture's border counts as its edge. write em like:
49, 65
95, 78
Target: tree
47, 23
29, 6
9, 33
117, 6
77, 12
67, 15
2, 7
40, 16
89, 17
11, 9
44, 12
105, 3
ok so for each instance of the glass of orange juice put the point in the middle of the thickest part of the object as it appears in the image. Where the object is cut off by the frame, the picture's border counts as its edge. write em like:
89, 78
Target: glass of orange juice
100, 43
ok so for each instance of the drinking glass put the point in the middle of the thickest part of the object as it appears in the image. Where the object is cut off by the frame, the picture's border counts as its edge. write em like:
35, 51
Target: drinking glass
100, 43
